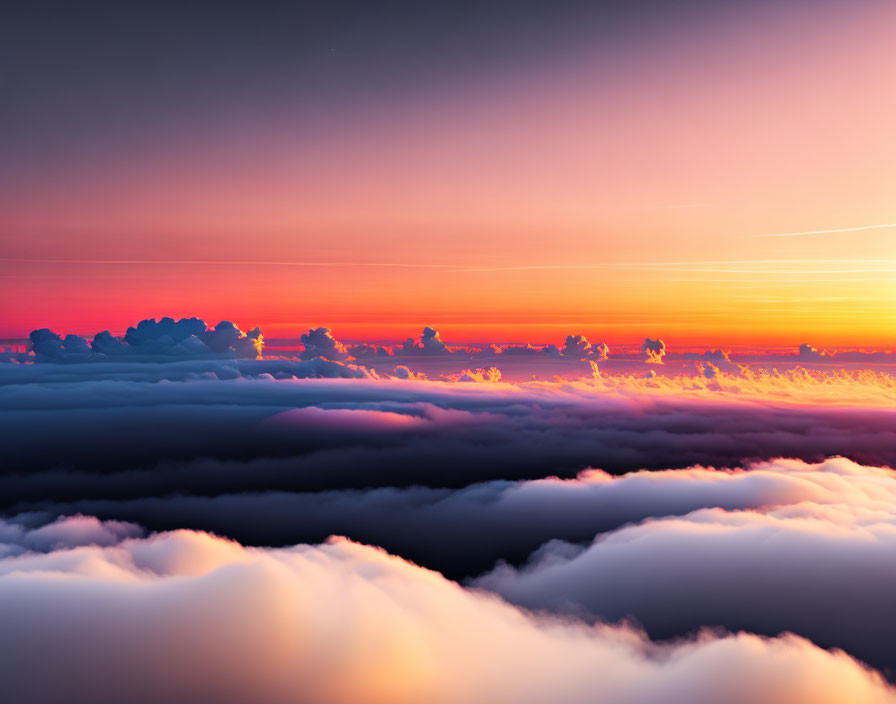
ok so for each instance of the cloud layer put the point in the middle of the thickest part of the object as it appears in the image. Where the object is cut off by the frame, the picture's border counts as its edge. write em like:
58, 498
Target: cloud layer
188, 617
464, 532
211, 436
483, 480
818, 565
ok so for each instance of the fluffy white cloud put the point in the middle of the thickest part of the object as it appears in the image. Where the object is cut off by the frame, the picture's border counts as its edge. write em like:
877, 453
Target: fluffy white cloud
188, 617
817, 564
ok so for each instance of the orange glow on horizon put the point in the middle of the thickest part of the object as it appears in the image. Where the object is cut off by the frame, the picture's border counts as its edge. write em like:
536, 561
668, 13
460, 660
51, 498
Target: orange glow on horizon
645, 200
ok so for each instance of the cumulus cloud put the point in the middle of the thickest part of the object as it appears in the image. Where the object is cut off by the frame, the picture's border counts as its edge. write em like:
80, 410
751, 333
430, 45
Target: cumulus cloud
321, 343
191, 337
654, 350
403, 372
578, 347
151, 341
188, 617
430, 343
46, 344
366, 349
811, 354
107, 344
492, 374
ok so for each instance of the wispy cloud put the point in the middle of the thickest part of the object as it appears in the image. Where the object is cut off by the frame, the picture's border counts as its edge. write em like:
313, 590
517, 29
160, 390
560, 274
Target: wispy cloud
226, 262
682, 206
768, 267
831, 231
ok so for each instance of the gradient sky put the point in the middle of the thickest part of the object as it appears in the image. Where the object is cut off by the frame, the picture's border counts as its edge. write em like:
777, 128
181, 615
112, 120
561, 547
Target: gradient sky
700, 171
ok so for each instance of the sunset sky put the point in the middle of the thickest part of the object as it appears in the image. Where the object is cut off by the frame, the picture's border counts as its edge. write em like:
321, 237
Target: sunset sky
708, 172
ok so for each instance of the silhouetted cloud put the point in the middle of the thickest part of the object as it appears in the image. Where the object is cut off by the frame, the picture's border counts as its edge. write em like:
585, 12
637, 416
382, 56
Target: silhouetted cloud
578, 347
370, 350
430, 343
654, 350
151, 341
810, 354
321, 343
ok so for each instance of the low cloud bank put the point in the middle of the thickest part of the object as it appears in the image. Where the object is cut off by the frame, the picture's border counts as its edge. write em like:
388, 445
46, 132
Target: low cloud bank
212, 436
28, 533
188, 617
464, 532
819, 565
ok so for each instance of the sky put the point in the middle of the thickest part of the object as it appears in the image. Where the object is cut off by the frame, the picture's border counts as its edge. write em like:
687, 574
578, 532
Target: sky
708, 172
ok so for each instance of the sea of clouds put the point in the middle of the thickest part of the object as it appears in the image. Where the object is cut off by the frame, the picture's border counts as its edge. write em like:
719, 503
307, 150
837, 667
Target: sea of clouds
628, 538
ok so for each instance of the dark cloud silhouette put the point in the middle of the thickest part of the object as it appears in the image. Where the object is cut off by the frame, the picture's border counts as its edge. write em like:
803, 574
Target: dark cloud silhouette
430, 344
654, 350
371, 350
151, 341
810, 354
214, 434
321, 343
578, 347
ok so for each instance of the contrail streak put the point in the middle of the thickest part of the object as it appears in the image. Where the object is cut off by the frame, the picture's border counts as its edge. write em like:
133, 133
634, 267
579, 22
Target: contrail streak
827, 232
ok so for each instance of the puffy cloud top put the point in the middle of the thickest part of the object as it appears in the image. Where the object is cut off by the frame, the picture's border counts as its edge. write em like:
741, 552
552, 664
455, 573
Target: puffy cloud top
578, 347
492, 374
370, 350
430, 343
46, 344
159, 620
654, 350
321, 343
187, 337
809, 353
166, 331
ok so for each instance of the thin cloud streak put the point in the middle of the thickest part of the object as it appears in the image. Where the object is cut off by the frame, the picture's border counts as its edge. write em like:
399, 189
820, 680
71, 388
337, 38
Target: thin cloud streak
224, 262
868, 266
831, 231
683, 206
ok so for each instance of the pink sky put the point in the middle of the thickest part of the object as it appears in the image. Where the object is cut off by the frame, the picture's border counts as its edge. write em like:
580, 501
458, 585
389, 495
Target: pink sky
617, 192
